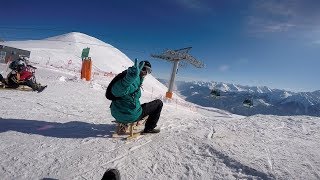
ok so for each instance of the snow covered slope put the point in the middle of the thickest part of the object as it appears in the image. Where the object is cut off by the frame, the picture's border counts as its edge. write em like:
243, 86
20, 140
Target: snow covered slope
59, 50
65, 133
63, 53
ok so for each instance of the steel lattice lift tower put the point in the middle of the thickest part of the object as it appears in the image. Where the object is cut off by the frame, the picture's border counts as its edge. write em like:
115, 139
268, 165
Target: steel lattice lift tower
176, 56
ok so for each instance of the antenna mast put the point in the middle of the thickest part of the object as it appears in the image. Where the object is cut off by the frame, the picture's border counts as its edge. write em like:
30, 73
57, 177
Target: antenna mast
175, 56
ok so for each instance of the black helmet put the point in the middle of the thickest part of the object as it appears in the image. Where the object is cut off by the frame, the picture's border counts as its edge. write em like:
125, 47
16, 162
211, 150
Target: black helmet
146, 66
146, 63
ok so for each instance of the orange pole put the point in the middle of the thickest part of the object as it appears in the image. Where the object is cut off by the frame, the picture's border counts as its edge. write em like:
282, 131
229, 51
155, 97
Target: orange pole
86, 69
169, 95
82, 69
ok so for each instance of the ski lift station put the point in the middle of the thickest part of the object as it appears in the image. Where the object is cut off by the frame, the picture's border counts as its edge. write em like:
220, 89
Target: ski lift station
8, 54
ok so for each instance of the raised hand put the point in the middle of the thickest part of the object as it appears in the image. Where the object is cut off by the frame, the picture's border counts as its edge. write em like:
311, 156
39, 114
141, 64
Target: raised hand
140, 64
135, 70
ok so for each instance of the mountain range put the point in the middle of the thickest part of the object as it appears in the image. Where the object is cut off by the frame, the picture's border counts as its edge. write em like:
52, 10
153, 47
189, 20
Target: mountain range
231, 97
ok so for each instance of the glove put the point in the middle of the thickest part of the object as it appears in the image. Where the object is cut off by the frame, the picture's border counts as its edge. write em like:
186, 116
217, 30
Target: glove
134, 71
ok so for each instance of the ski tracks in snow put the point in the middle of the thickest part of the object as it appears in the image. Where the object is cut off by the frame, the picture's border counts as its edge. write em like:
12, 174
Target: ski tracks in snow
176, 153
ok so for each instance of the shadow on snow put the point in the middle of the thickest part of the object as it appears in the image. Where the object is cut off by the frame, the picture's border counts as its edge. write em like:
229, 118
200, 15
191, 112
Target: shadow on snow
73, 129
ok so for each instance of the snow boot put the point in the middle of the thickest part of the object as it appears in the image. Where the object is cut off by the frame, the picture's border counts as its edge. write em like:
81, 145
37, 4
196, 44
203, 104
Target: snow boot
111, 174
2, 80
151, 131
41, 88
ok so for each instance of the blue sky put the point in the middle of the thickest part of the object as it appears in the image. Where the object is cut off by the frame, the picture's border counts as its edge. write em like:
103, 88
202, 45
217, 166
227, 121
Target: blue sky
273, 43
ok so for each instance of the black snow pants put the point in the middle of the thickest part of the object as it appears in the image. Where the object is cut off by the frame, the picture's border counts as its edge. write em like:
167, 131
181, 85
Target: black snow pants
153, 110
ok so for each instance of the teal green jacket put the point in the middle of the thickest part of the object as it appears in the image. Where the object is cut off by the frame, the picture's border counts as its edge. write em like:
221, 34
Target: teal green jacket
128, 108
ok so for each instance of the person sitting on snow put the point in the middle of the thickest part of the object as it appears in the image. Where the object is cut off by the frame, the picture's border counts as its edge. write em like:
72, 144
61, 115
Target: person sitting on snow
126, 107
21, 74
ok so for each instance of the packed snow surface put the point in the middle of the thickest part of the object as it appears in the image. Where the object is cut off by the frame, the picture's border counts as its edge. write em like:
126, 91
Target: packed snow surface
65, 133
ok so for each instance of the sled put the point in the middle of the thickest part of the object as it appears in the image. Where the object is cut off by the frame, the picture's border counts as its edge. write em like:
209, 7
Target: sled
20, 88
129, 130
126, 131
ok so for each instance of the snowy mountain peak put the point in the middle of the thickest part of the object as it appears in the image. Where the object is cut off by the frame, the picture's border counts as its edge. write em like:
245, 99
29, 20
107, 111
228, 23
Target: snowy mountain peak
76, 37
286, 94
63, 52
238, 88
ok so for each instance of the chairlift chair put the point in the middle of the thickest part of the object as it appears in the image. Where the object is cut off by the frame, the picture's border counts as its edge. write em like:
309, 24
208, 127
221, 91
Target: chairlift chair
215, 93
247, 103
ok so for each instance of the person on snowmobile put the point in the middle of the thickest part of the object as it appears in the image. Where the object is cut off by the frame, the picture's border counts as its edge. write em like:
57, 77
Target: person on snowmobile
21, 74
126, 107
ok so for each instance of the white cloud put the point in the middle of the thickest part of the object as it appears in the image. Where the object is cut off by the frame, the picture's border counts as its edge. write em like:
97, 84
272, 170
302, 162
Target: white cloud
313, 36
280, 27
317, 42
224, 68
275, 16
265, 25
194, 5
261, 25
242, 61
277, 8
